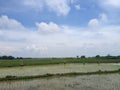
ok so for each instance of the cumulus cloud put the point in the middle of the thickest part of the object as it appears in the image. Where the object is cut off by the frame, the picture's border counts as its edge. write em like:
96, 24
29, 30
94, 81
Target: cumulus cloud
48, 28
60, 7
11, 30
6, 23
95, 22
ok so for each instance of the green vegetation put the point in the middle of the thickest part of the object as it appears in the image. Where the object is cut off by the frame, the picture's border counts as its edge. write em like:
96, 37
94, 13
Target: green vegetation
29, 62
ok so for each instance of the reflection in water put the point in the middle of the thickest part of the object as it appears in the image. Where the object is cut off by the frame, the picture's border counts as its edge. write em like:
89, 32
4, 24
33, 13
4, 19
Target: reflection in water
92, 82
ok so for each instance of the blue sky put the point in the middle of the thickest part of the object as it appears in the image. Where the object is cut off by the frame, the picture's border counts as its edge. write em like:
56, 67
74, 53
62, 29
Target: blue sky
59, 28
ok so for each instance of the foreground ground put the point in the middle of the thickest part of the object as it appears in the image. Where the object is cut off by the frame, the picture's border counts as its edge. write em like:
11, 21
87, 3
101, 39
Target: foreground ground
64, 71
91, 82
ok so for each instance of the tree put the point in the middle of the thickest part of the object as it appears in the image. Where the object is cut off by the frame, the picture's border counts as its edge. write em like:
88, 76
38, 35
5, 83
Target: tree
77, 57
97, 56
10, 57
19, 58
7, 57
82, 56
4, 57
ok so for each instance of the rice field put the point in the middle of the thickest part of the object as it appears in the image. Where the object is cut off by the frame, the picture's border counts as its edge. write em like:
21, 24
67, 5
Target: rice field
51, 61
54, 69
91, 82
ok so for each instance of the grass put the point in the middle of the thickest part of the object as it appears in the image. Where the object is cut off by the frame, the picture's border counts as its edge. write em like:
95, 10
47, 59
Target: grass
57, 75
30, 62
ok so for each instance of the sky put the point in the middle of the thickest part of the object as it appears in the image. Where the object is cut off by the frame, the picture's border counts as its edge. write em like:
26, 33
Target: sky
59, 28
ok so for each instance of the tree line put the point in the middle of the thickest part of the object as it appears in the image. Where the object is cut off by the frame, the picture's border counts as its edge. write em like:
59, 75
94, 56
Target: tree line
98, 56
5, 57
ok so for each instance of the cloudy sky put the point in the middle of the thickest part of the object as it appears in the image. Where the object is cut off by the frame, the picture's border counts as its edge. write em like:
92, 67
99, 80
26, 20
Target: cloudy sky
59, 28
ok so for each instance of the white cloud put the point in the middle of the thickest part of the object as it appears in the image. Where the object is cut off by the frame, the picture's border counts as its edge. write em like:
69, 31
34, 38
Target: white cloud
6, 23
111, 3
77, 7
60, 7
98, 21
71, 42
49, 28
93, 23
111, 8
35, 48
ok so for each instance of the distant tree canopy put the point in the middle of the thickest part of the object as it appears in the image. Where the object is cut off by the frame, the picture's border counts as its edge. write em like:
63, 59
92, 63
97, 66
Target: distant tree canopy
83, 56
97, 56
19, 58
108, 56
77, 56
7, 57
